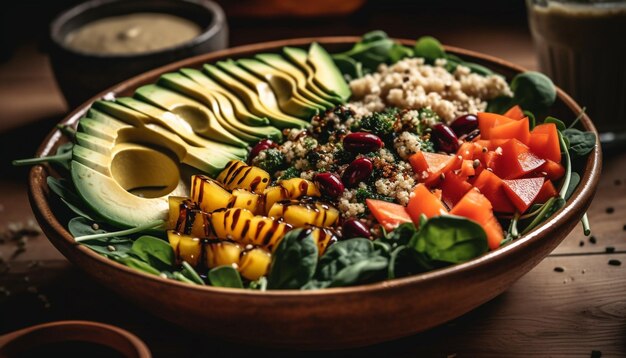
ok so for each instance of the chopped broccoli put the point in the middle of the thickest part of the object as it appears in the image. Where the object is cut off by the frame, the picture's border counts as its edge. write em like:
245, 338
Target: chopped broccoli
368, 193
270, 160
289, 173
344, 113
379, 123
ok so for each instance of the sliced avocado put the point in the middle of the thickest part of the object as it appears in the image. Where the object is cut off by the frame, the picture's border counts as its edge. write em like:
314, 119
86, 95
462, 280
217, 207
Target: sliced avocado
218, 103
284, 86
203, 121
252, 100
278, 101
327, 75
281, 64
153, 174
241, 112
299, 57
129, 109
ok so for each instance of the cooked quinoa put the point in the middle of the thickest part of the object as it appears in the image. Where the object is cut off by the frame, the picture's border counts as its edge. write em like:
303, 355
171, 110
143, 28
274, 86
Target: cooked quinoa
399, 104
412, 84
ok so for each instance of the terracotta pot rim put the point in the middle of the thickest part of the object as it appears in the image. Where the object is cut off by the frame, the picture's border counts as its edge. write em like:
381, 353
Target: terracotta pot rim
93, 329
576, 203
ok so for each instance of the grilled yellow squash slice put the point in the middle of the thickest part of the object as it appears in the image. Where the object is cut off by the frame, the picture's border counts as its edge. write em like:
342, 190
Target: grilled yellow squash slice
301, 213
239, 175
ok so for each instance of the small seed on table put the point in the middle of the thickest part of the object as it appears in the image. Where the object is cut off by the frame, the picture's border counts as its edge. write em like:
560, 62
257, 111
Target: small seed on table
610, 210
592, 239
609, 249
559, 269
581, 243
615, 262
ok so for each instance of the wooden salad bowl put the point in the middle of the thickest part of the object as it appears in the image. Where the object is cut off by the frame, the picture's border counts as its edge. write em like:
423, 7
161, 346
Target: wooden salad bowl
329, 318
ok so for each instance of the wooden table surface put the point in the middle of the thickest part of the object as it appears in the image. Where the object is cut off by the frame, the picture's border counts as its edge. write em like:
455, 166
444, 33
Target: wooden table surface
579, 312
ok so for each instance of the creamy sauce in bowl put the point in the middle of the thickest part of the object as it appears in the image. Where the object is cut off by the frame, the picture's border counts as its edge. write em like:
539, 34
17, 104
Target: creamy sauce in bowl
132, 34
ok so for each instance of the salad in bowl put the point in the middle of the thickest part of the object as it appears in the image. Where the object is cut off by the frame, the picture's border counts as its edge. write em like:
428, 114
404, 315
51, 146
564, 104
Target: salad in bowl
305, 169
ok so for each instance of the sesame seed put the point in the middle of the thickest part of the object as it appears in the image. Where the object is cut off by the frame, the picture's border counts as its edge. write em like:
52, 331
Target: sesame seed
581, 243
476, 163
485, 150
559, 269
95, 226
592, 239
111, 248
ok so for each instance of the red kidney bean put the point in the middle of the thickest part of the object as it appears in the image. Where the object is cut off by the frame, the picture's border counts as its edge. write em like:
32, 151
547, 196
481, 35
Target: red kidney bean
262, 145
355, 228
362, 142
444, 138
329, 184
464, 124
359, 170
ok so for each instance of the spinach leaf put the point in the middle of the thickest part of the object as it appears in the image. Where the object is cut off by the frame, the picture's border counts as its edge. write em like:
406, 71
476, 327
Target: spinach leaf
182, 278
154, 251
580, 143
402, 234
67, 194
80, 226
548, 209
533, 91
294, 261
225, 276
371, 51
500, 104
429, 48
559, 123
398, 52
137, 264
478, 69
532, 122
451, 239
191, 274
573, 183
350, 262
350, 68
62, 157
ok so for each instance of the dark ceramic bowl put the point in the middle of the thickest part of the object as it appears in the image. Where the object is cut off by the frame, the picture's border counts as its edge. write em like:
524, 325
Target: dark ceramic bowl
329, 318
82, 75
72, 339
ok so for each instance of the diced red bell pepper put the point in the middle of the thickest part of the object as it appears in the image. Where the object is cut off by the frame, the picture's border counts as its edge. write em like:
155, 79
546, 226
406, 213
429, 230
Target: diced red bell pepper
430, 166
467, 169
544, 141
522, 192
422, 201
389, 215
453, 187
476, 206
486, 121
516, 160
466, 150
515, 129
515, 112
547, 191
492, 187
552, 170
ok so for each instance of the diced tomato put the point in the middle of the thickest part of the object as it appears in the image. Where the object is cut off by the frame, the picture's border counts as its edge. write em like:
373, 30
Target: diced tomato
515, 112
516, 160
486, 121
492, 187
522, 192
476, 206
422, 201
552, 170
430, 166
544, 141
453, 187
515, 129
389, 215
547, 191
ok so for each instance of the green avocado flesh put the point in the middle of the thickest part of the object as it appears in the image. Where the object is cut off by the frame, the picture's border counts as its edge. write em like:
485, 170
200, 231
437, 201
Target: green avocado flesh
131, 153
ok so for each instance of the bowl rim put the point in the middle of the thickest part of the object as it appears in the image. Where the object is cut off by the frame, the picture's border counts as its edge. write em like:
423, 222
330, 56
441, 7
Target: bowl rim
217, 24
581, 196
